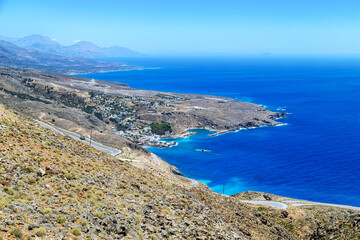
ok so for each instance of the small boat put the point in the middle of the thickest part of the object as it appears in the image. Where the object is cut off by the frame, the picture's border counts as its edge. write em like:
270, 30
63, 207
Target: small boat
203, 150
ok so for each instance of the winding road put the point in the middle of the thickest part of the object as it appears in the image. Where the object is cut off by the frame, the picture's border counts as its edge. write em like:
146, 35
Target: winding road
296, 203
273, 204
94, 144
156, 159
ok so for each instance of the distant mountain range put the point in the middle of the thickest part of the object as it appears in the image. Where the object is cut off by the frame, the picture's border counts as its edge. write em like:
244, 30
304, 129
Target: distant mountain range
13, 56
82, 49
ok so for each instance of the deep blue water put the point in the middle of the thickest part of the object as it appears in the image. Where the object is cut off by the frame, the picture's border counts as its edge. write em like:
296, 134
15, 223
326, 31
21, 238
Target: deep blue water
316, 156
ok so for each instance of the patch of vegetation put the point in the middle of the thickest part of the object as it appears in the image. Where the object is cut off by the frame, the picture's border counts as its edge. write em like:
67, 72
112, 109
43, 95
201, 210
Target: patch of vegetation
40, 232
76, 231
99, 214
99, 115
89, 109
92, 94
160, 128
60, 219
3, 203
122, 127
16, 232
24, 96
261, 209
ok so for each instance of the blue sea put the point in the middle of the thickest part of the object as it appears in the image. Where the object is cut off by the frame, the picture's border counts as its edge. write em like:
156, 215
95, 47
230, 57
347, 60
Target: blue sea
315, 156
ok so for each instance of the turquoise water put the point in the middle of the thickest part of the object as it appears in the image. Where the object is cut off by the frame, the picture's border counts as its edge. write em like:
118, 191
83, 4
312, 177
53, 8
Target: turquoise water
316, 156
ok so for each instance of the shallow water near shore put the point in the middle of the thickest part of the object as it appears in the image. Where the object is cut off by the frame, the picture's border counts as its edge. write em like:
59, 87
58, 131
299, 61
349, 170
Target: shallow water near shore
316, 156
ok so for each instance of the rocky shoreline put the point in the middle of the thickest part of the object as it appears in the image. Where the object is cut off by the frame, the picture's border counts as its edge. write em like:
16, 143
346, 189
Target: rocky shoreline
216, 133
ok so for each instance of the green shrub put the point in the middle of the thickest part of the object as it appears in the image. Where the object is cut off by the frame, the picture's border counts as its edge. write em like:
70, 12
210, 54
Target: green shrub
76, 231
88, 109
3, 203
47, 211
99, 214
153, 237
9, 191
161, 128
148, 195
70, 175
72, 200
40, 232
29, 169
60, 219
16, 232
84, 222
98, 115
260, 209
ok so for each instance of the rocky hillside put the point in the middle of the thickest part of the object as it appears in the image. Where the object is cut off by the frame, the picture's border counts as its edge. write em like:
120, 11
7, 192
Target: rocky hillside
54, 187
310, 221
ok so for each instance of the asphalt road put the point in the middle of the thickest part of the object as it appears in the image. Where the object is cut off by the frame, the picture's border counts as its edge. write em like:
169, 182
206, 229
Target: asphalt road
297, 203
94, 144
278, 205
156, 159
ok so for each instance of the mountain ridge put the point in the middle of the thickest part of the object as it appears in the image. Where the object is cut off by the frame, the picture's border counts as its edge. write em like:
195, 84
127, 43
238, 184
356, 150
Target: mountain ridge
81, 49
13, 56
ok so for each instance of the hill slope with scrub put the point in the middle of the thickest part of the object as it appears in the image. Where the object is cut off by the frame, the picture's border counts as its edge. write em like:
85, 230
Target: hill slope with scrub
55, 187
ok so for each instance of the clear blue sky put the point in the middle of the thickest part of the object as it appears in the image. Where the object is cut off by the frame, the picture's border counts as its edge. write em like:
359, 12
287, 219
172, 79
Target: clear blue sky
225, 26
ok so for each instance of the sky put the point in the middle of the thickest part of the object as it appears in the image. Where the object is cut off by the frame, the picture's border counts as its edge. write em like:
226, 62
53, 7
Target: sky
192, 26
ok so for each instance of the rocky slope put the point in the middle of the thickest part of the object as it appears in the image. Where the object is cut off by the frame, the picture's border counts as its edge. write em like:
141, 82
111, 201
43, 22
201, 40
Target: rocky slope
310, 221
54, 187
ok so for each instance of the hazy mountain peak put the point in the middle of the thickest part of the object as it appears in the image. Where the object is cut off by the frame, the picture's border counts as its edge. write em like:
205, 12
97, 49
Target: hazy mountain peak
8, 39
16, 57
37, 40
81, 49
86, 45
5, 46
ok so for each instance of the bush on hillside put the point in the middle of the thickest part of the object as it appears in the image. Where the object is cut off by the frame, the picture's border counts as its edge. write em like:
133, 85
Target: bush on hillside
160, 128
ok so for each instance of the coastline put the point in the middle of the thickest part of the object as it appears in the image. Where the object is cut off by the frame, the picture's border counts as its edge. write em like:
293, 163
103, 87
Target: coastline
219, 132
108, 71
273, 202
132, 68
279, 202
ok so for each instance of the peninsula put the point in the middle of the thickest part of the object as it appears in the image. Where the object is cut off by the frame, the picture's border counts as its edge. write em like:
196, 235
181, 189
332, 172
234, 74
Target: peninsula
115, 111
